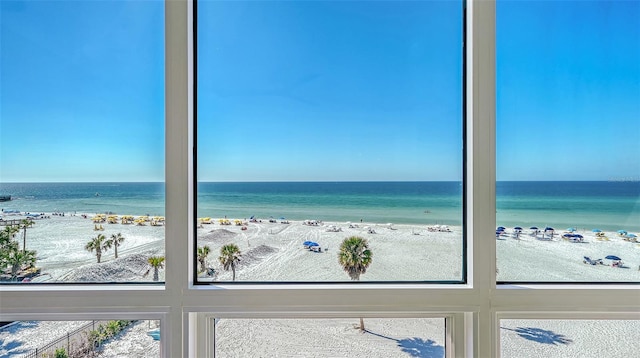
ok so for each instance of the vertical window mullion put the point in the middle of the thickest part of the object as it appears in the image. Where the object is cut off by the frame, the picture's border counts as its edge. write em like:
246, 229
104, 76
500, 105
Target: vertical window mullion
480, 150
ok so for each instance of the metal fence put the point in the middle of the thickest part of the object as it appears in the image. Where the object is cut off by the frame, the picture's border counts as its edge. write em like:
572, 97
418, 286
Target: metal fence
68, 341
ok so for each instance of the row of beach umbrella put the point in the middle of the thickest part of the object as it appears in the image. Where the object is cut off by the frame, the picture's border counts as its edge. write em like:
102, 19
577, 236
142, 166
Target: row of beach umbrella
501, 229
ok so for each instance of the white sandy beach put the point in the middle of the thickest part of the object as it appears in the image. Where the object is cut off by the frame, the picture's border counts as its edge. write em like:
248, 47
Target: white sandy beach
24, 337
407, 337
274, 252
400, 253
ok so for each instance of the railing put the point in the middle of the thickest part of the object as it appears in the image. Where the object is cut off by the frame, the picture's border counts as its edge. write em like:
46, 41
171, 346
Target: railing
10, 222
71, 339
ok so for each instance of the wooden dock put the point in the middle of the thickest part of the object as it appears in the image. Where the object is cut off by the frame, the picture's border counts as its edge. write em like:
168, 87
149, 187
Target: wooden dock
11, 222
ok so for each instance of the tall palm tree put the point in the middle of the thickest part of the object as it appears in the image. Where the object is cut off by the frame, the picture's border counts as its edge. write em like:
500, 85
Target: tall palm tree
230, 255
24, 224
115, 241
355, 257
156, 262
203, 252
98, 244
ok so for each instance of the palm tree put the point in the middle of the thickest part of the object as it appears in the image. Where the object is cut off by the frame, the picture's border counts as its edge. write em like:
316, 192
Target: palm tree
355, 257
98, 244
24, 224
11, 231
115, 241
203, 252
156, 262
18, 259
229, 257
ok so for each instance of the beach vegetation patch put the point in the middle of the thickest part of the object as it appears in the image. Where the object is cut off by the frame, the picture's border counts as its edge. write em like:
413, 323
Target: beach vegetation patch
15, 263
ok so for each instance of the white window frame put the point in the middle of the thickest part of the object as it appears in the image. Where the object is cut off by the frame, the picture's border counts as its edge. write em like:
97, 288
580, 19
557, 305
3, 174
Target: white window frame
472, 310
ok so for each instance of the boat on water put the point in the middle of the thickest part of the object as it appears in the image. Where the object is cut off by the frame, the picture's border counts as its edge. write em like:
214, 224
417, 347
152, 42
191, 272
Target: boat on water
5, 197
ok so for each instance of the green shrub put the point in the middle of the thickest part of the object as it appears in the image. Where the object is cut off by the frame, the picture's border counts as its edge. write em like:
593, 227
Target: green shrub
61, 353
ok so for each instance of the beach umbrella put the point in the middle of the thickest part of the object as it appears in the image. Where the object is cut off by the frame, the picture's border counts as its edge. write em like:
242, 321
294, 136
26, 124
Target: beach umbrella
622, 232
596, 230
282, 218
631, 235
571, 229
313, 244
307, 243
614, 258
548, 228
500, 228
533, 228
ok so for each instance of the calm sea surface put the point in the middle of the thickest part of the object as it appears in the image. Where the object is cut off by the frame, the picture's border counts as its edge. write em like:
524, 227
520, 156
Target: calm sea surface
586, 205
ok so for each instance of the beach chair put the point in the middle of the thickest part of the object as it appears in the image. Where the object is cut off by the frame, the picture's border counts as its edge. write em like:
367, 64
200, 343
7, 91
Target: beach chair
588, 260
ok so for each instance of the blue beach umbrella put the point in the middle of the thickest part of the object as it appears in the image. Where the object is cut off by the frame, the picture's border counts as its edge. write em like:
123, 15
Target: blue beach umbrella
533, 228
622, 232
571, 229
631, 235
614, 258
314, 244
596, 230
307, 243
548, 228
501, 228
517, 228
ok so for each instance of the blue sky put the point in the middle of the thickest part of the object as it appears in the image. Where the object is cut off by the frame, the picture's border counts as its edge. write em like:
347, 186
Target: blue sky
317, 90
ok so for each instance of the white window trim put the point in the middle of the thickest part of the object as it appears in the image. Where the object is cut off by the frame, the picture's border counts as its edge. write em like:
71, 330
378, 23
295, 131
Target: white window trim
473, 310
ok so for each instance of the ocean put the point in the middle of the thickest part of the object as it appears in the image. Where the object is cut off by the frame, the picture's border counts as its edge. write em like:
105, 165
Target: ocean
609, 205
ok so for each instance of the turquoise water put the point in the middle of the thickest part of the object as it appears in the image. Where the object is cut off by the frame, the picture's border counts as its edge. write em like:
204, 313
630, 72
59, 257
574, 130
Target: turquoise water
586, 205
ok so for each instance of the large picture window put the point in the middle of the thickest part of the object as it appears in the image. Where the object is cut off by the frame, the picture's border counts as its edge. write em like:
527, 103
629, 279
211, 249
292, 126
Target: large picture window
568, 172
81, 141
320, 122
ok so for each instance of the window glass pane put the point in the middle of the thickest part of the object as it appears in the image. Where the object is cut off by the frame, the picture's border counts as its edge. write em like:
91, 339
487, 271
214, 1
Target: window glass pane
411, 337
568, 338
318, 121
568, 158
107, 338
81, 140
